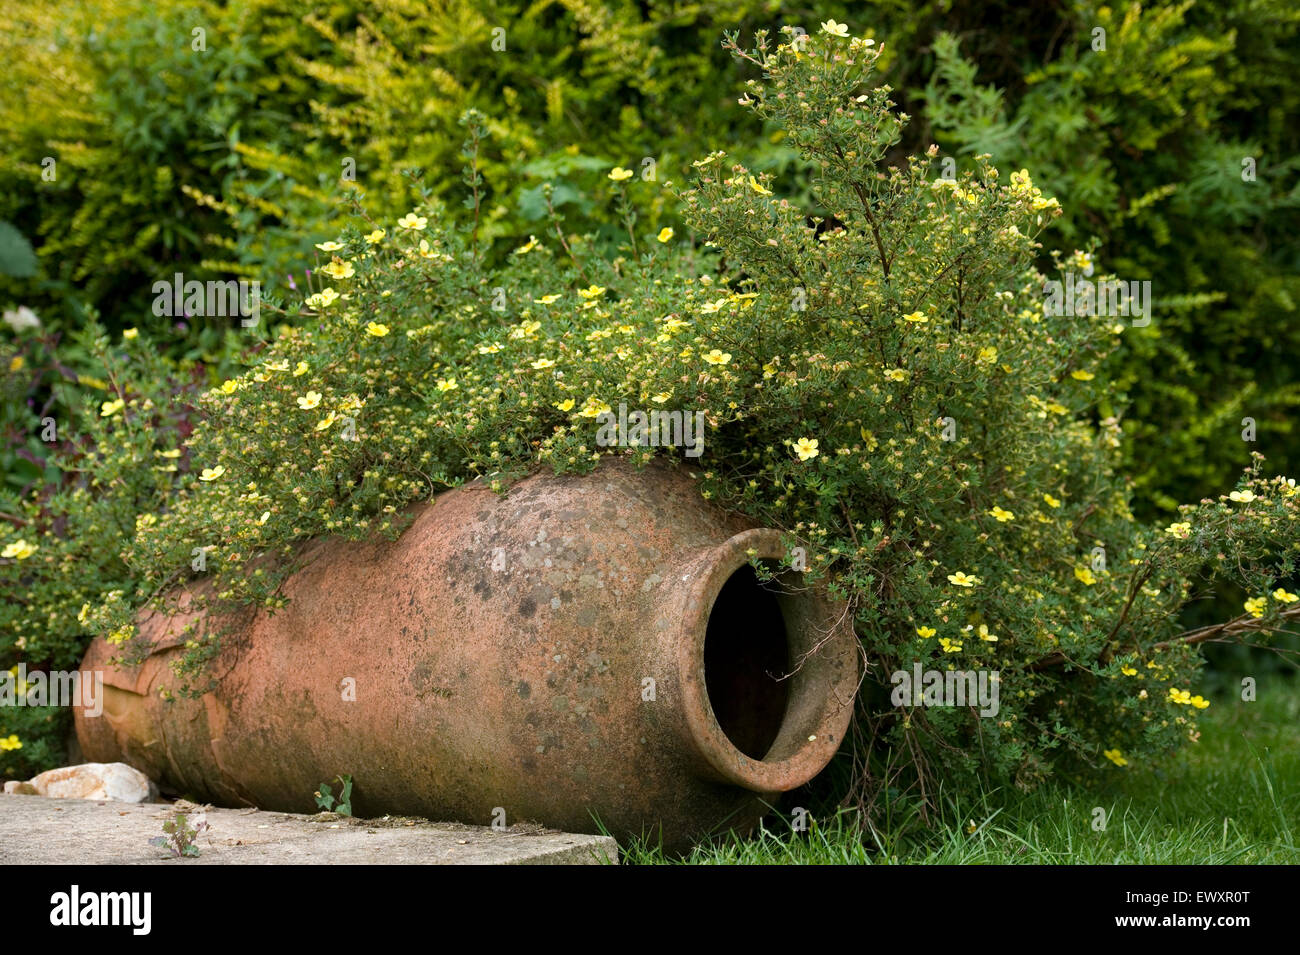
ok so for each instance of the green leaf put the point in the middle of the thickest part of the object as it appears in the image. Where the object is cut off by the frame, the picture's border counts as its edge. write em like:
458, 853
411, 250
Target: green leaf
16, 256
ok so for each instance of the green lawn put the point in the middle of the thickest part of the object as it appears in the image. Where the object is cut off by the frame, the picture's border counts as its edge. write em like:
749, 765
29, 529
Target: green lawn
1231, 798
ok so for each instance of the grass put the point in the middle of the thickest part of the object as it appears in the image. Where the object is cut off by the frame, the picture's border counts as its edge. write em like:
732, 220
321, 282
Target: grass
1231, 798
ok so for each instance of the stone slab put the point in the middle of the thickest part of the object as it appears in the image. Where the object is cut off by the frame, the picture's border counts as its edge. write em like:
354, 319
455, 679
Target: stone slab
35, 830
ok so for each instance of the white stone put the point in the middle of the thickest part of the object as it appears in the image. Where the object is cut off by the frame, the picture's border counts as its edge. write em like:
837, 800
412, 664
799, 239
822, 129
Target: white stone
116, 781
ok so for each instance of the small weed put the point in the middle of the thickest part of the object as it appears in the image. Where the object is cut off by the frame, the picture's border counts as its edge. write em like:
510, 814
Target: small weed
343, 804
180, 837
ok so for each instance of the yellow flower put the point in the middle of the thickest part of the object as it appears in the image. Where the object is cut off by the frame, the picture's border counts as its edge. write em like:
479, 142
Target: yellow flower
10, 742
665, 234
543, 363
173, 453
592, 291
1282, 596
266, 516
376, 329
619, 174
1180, 529
229, 386
110, 408
1242, 497
896, 374
491, 348
19, 549
447, 384
324, 423
338, 269
16, 363
986, 636
593, 407
330, 246
309, 400
1081, 375
963, 580
130, 333
211, 474
1180, 696
1051, 501
806, 448
949, 646
1085, 575
925, 633
528, 246
1256, 606
716, 357
915, 318
1114, 755
412, 221
661, 397
988, 354
546, 300
758, 187
374, 238
1128, 670
121, 634
323, 299
565, 405
831, 28
1001, 515
300, 369
1199, 702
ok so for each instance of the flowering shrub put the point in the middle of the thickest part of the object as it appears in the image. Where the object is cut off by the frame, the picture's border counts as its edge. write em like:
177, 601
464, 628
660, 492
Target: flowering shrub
115, 447
223, 160
884, 384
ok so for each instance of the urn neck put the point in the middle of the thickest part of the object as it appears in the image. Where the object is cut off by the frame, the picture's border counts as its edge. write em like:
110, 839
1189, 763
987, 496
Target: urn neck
768, 668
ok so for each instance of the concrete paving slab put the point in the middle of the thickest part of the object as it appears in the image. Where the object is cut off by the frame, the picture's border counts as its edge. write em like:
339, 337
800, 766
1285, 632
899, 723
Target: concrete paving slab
35, 830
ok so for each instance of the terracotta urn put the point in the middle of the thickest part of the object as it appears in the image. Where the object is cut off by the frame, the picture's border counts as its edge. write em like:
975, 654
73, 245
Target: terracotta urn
583, 652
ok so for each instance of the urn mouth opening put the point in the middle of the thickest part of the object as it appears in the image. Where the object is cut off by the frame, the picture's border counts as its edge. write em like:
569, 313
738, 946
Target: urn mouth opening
747, 662
769, 667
